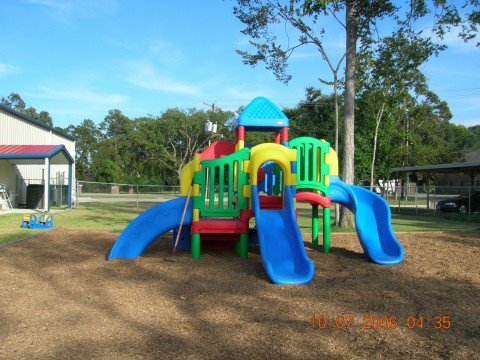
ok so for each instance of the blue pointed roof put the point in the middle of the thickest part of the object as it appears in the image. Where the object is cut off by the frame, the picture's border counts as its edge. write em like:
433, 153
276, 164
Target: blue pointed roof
262, 115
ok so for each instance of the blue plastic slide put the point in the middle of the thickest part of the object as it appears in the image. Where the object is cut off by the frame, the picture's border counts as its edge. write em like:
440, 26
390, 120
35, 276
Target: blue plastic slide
281, 244
148, 226
372, 220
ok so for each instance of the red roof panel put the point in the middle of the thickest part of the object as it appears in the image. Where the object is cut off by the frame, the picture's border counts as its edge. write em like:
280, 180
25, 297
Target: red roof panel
26, 149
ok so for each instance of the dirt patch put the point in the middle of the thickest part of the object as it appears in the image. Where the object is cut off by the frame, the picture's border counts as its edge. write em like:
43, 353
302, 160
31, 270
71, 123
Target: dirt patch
60, 298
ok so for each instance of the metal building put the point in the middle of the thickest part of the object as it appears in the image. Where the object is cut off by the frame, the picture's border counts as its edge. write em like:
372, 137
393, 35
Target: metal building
33, 154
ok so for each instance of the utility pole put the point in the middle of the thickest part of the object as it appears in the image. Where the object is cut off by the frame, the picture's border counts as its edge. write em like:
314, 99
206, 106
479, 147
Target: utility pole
211, 106
211, 128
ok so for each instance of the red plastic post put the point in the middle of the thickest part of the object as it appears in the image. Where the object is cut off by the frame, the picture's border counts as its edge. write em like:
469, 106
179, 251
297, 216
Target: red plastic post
241, 133
277, 137
285, 134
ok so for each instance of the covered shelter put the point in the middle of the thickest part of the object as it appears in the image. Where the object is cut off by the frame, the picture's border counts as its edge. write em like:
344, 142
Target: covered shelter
46, 155
466, 170
471, 169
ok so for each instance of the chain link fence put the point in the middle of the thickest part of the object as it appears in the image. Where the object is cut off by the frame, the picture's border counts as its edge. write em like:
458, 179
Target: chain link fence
455, 203
452, 202
142, 196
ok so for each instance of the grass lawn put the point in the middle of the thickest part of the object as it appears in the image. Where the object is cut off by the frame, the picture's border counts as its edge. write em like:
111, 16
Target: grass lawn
114, 216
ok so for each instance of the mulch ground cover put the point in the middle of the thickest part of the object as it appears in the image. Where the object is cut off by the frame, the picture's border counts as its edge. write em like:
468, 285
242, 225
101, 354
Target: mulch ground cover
60, 298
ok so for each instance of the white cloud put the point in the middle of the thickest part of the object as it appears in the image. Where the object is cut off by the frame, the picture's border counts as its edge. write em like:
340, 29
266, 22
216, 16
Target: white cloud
246, 93
63, 10
7, 69
79, 95
166, 54
242, 42
145, 75
300, 55
454, 41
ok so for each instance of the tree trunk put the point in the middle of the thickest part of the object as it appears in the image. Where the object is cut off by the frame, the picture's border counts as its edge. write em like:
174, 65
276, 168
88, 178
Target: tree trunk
346, 218
375, 137
335, 91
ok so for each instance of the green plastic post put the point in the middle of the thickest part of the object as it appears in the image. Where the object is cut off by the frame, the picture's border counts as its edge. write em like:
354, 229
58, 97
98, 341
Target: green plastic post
243, 246
195, 246
315, 225
326, 230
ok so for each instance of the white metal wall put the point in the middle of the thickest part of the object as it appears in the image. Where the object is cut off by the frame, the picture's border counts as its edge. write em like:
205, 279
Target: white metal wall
16, 131
7, 174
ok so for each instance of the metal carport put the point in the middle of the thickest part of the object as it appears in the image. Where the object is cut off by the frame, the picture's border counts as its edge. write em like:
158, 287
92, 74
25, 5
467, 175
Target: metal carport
38, 155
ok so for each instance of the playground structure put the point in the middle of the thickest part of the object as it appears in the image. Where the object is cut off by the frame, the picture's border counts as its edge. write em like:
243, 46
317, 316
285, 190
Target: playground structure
227, 185
41, 222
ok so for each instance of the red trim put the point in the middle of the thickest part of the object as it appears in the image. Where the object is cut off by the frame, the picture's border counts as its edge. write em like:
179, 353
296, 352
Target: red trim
270, 202
246, 215
217, 149
220, 226
313, 199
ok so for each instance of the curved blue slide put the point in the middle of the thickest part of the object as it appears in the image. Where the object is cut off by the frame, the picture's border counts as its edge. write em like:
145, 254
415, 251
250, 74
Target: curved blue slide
148, 226
281, 244
372, 220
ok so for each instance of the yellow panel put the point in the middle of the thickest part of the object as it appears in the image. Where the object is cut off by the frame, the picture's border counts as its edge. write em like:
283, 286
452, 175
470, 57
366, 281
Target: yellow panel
186, 178
245, 165
196, 215
331, 159
196, 163
246, 191
280, 154
293, 179
196, 190
240, 145
326, 180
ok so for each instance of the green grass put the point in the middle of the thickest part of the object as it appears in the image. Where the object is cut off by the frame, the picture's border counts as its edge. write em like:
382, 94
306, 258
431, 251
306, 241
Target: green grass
406, 221
107, 216
114, 216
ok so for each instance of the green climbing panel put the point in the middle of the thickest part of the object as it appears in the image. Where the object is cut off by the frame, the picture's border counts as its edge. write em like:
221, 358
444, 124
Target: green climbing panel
311, 166
278, 187
224, 191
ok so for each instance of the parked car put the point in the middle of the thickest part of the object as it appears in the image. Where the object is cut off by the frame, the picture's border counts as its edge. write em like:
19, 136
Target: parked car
460, 204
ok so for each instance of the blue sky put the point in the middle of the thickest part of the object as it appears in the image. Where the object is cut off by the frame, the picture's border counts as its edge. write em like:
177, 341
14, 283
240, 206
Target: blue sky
79, 58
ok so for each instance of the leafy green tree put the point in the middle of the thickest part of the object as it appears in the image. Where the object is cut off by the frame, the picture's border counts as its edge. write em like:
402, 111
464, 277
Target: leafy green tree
16, 102
475, 130
389, 72
262, 17
42, 116
88, 136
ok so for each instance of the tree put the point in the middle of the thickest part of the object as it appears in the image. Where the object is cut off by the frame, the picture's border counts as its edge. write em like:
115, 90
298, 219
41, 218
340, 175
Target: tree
88, 137
361, 22
388, 74
16, 102
259, 16
185, 135
313, 116
42, 116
